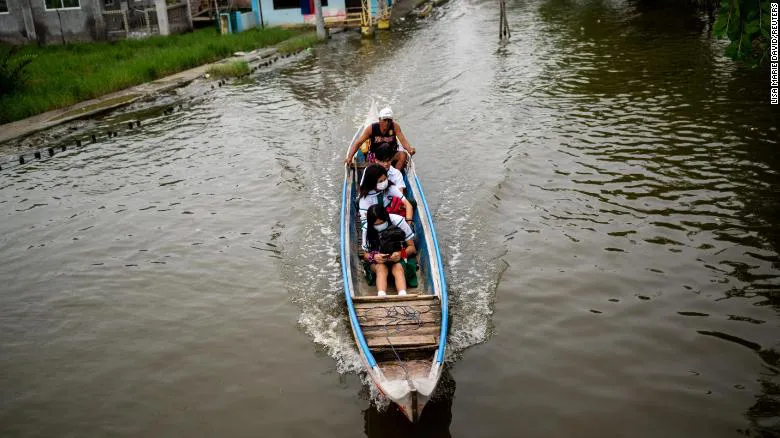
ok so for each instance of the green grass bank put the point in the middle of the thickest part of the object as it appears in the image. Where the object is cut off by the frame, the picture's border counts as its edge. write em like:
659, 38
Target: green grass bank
232, 69
63, 75
298, 43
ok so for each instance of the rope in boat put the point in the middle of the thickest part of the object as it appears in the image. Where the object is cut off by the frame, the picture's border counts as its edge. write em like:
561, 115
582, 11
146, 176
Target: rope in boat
397, 316
408, 313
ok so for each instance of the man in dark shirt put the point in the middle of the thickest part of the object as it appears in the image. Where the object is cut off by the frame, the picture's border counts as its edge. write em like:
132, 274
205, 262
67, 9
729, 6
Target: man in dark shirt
385, 131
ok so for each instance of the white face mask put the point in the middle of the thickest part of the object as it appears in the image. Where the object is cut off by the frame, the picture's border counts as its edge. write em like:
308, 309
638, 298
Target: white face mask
381, 185
381, 227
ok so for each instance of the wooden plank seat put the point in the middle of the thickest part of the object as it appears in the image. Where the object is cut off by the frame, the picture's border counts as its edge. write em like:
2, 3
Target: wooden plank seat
394, 316
375, 298
390, 300
416, 341
408, 329
401, 323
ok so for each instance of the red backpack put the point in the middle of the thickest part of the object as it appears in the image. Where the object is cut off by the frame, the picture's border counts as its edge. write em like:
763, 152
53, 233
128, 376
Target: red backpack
396, 207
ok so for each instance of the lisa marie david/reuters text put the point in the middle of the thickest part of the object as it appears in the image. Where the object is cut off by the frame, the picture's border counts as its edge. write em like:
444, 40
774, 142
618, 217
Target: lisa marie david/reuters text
773, 55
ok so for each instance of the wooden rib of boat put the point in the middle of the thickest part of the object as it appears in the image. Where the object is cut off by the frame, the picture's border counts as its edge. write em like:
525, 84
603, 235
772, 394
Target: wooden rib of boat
401, 339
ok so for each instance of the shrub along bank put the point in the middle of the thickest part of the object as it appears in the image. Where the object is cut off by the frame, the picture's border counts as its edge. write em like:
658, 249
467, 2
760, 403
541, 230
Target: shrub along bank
59, 76
298, 43
232, 69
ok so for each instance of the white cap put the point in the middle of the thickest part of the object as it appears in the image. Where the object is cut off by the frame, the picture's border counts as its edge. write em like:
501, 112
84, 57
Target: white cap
386, 113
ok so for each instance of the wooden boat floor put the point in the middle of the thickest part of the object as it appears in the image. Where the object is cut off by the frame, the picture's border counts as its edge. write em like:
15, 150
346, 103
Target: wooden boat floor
395, 370
400, 325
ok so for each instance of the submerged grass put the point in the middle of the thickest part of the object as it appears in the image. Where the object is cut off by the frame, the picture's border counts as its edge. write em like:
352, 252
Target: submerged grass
302, 42
67, 74
229, 69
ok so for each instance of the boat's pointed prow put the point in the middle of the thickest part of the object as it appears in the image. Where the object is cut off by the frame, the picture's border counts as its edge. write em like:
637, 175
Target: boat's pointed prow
411, 404
415, 408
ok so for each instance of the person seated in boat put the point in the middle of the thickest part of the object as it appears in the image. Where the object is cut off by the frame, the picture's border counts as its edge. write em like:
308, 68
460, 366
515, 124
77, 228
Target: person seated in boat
386, 130
384, 157
388, 242
376, 188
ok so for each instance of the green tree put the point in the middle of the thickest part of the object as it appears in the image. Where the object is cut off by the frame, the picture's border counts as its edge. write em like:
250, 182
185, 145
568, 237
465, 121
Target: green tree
746, 24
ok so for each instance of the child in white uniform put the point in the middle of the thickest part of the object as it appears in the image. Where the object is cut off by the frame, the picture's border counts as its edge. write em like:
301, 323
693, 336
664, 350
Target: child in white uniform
383, 264
376, 185
384, 157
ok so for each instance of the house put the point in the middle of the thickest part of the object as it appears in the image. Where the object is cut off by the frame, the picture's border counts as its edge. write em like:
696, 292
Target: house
51, 21
281, 12
337, 13
67, 21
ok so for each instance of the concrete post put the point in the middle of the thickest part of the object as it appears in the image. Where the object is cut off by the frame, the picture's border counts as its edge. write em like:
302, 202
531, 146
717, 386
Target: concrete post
100, 21
162, 16
124, 7
256, 11
321, 35
29, 24
189, 14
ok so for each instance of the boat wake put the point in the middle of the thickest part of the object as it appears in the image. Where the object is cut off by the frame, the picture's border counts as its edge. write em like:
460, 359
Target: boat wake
473, 267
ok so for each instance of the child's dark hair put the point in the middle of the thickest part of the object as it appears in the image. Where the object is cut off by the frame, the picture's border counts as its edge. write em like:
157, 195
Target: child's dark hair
375, 212
370, 178
385, 152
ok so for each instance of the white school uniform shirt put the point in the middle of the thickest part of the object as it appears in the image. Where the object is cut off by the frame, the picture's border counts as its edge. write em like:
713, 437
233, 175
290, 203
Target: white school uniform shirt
371, 199
395, 177
398, 221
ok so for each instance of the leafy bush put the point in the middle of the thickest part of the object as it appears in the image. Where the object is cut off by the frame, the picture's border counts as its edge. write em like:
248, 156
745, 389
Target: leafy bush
12, 70
746, 24
294, 45
232, 69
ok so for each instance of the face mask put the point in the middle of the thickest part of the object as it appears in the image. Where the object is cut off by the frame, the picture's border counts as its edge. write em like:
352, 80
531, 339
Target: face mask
382, 227
381, 185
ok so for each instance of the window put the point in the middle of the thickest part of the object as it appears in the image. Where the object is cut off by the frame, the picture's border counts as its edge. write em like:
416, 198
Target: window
108, 2
287, 4
306, 6
62, 4
3, 6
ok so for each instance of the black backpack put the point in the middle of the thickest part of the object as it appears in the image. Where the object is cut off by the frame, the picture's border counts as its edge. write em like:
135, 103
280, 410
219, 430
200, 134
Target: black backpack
391, 240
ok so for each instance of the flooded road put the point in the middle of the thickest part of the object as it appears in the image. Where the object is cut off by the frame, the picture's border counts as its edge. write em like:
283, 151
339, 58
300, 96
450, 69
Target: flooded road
605, 190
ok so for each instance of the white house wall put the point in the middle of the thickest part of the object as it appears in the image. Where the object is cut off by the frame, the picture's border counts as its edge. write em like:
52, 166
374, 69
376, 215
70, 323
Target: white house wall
52, 26
278, 17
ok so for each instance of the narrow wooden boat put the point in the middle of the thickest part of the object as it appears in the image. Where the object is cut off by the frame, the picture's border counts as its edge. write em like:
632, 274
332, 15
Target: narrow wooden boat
401, 339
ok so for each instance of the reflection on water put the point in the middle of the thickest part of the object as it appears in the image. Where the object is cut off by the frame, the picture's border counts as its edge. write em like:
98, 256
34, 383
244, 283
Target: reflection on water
605, 191
434, 422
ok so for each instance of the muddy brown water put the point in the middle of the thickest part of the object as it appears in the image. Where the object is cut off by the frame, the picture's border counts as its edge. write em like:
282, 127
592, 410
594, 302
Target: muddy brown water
605, 189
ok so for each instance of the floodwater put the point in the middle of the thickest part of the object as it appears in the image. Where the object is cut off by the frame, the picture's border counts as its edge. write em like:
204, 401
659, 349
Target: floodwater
605, 189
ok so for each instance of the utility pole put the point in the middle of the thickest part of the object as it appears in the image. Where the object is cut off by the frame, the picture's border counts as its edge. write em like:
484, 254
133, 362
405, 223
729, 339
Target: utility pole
503, 25
162, 17
321, 34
